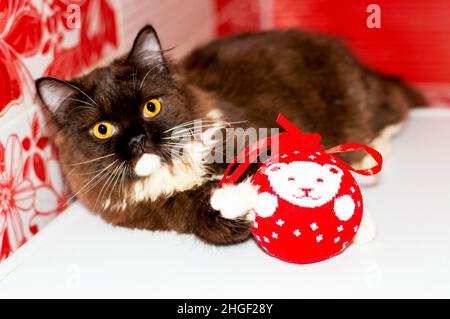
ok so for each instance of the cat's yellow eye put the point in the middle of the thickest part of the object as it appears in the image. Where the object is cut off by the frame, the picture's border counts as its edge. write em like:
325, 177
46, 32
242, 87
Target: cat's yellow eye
151, 108
103, 130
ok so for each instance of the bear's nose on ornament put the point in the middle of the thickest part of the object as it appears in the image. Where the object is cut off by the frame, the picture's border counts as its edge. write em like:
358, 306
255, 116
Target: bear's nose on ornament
310, 231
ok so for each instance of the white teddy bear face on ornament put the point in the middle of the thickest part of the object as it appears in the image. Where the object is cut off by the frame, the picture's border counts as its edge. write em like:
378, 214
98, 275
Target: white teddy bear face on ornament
305, 184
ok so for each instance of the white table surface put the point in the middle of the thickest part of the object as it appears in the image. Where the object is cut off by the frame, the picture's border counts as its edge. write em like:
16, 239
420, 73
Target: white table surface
78, 255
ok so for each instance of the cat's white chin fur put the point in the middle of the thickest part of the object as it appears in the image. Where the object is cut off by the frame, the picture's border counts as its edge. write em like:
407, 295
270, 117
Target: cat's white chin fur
147, 164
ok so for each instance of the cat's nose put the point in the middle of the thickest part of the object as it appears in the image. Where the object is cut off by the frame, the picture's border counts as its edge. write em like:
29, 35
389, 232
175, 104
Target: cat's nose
306, 190
137, 144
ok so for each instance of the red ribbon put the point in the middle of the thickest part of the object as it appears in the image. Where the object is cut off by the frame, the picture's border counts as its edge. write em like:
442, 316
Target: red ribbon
251, 153
349, 147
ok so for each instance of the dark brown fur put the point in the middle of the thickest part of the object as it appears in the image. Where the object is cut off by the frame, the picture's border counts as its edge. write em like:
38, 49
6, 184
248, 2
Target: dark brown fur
313, 80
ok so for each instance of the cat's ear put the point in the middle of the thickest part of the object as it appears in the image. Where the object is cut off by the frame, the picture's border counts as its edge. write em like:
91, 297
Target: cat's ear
53, 92
146, 49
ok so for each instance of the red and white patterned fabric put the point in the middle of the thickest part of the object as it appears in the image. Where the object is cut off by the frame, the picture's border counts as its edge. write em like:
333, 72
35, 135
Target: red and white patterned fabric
38, 38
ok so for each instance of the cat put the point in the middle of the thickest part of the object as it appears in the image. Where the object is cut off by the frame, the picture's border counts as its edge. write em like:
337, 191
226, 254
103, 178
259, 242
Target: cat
113, 126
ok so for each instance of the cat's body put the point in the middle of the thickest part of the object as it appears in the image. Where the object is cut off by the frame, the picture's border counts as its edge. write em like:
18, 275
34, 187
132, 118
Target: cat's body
312, 80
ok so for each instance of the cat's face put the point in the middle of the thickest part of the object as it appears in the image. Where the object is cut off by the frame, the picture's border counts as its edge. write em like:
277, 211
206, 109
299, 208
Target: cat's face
122, 113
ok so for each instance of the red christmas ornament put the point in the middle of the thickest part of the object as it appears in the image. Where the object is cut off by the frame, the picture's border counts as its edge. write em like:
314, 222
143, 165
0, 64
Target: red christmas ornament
309, 205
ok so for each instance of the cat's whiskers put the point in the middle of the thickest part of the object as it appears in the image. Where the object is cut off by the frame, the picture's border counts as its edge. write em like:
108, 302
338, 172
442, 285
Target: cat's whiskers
191, 122
185, 138
81, 101
82, 107
98, 178
176, 144
84, 173
182, 125
91, 180
97, 182
128, 173
115, 180
196, 137
105, 186
71, 171
192, 137
172, 153
109, 183
81, 91
183, 128
150, 70
193, 131
89, 161
122, 179
134, 78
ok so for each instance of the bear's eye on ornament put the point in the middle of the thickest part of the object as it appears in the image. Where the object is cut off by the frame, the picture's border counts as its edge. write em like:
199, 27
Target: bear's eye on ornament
334, 170
319, 180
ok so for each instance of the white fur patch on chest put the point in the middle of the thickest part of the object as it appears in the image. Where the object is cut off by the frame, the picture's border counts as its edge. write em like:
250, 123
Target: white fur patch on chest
183, 174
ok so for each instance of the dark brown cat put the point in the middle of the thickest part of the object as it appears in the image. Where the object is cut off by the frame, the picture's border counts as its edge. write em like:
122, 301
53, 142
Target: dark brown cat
114, 127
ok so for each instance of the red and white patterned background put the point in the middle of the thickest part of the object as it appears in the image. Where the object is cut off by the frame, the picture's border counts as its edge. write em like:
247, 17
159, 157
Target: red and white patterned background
37, 39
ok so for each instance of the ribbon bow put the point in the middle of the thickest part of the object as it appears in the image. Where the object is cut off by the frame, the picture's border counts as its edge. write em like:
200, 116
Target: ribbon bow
250, 154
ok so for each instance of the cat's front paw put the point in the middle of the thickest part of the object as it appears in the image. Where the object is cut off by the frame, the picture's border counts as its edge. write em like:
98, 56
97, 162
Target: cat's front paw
233, 201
